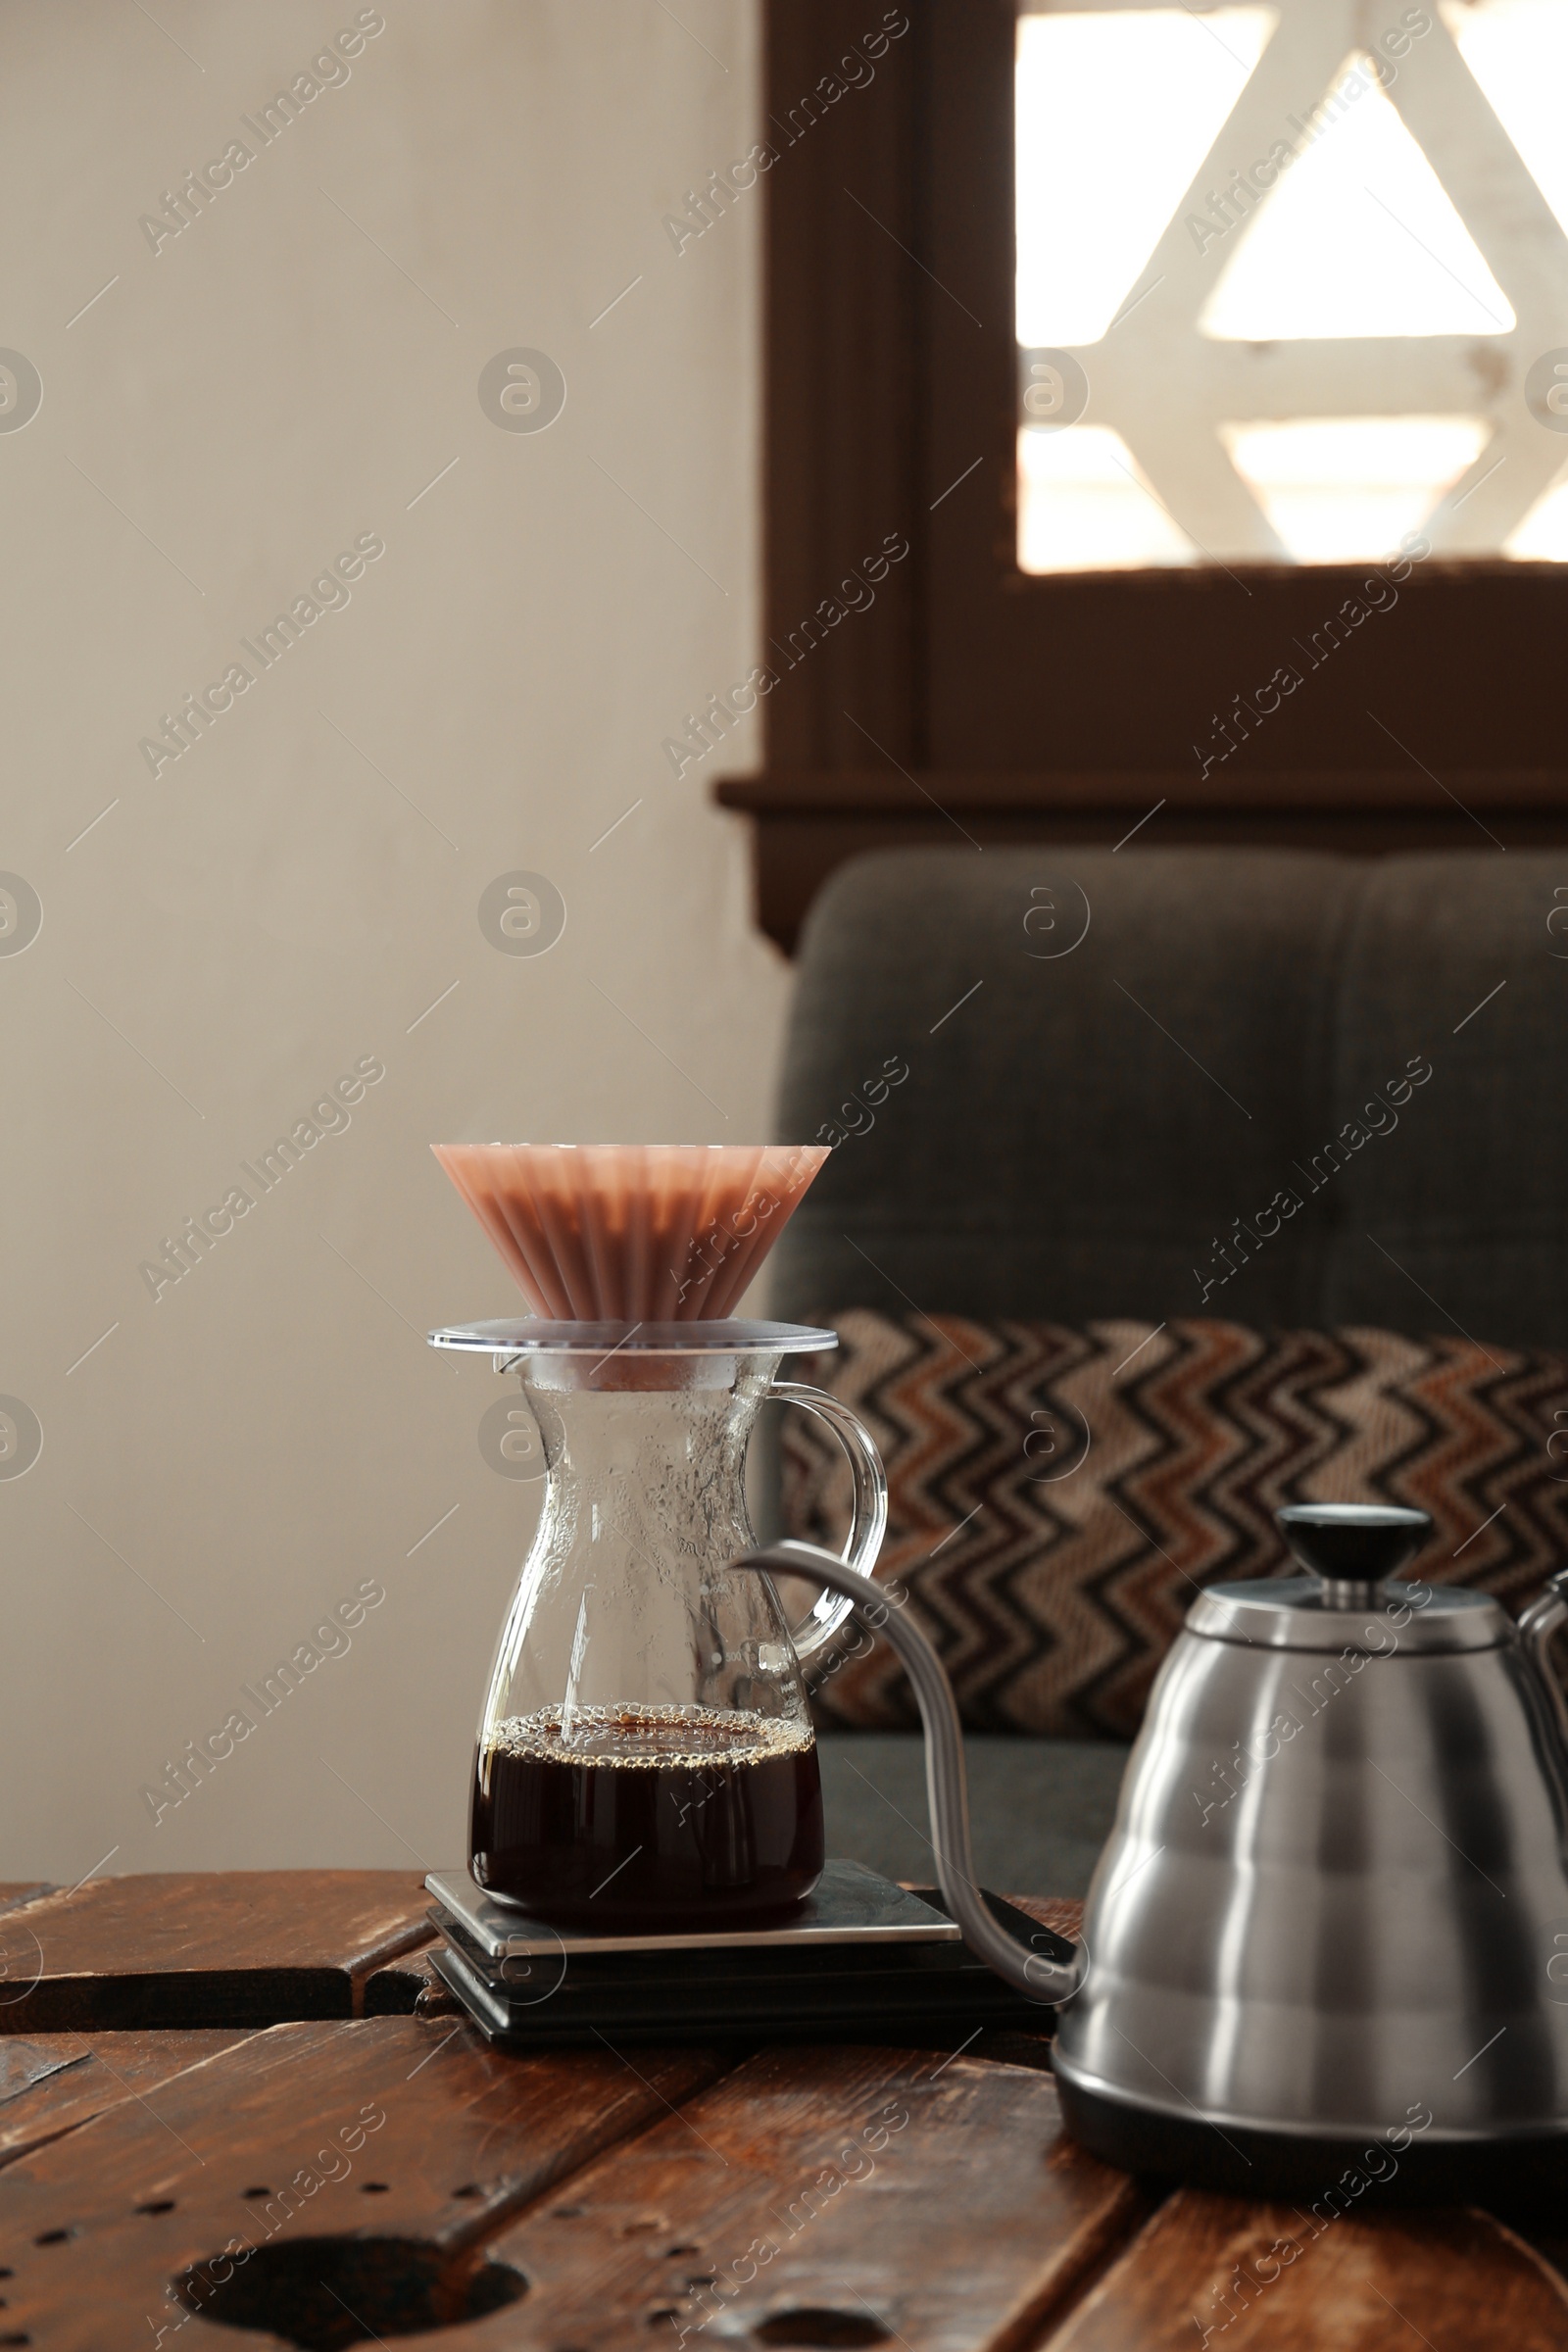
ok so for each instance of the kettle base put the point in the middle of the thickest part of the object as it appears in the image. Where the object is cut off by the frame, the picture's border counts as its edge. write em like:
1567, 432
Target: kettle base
1332, 2171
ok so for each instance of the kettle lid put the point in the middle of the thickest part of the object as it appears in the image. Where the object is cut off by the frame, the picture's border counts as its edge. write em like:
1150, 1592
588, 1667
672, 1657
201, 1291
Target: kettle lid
1351, 1599
1297, 1612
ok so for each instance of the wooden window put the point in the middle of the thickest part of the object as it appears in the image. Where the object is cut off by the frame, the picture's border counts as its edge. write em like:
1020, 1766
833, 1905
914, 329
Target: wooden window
1106, 470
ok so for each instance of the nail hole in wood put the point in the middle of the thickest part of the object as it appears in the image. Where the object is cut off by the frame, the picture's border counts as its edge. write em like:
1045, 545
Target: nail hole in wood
674, 2252
258, 2192
156, 2205
813, 2325
325, 2294
470, 2188
373, 2189
53, 2237
15, 2339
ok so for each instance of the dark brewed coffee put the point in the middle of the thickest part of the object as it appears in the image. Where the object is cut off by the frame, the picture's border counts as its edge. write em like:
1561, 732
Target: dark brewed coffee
639, 1817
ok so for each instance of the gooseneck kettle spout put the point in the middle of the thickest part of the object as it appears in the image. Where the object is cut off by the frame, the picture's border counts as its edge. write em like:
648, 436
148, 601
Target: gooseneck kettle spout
1038, 1974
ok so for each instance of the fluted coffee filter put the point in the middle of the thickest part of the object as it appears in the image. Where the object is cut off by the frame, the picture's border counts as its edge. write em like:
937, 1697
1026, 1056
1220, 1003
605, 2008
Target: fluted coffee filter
632, 1232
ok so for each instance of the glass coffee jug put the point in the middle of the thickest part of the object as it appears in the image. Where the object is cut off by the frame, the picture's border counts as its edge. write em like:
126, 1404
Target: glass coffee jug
645, 1756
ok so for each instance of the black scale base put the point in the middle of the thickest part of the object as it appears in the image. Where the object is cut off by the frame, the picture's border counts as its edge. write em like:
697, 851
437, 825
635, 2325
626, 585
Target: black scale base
863, 1961
1325, 2174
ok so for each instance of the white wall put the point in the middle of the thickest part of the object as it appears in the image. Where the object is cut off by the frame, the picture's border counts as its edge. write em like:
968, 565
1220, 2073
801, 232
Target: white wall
238, 931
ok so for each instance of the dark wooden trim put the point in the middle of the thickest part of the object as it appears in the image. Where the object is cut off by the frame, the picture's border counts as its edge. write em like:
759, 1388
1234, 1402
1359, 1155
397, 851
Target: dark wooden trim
1342, 795
808, 823
841, 343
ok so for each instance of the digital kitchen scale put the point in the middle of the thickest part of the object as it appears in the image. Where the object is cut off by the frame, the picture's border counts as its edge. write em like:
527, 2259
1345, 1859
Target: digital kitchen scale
863, 1959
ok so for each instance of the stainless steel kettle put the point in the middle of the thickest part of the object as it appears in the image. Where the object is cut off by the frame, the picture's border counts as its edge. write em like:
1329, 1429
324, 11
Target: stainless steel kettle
1332, 1916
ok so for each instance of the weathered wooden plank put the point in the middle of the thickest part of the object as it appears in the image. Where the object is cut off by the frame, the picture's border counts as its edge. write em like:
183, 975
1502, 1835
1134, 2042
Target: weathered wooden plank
14, 1893
1221, 2272
390, 2125
18, 1947
1062, 1914
889, 2195
56, 2082
409, 1988
213, 1949
24, 2064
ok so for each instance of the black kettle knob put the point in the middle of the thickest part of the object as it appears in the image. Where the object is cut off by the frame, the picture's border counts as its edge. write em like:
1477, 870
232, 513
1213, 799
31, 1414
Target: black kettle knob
1354, 1546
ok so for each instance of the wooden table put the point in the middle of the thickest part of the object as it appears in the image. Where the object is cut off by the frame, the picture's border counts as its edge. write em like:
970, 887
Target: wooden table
253, 2082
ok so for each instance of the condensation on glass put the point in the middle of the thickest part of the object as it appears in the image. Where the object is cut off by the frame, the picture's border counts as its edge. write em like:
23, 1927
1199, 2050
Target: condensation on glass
1291, 283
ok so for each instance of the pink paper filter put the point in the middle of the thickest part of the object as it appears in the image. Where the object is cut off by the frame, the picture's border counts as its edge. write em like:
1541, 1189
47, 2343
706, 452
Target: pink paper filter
632, 1232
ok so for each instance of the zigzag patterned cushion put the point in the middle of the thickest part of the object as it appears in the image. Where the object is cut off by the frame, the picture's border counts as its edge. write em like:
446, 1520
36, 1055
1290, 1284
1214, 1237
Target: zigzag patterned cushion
1059, 1496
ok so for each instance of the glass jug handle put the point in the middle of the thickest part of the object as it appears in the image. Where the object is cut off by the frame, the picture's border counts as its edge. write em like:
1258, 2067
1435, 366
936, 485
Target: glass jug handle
869, 1519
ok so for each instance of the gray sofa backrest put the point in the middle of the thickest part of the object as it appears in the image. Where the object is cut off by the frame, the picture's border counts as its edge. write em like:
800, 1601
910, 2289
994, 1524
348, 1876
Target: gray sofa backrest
1224, 1071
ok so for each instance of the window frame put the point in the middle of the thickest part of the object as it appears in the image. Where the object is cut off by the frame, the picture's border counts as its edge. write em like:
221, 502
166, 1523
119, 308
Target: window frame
971, 698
